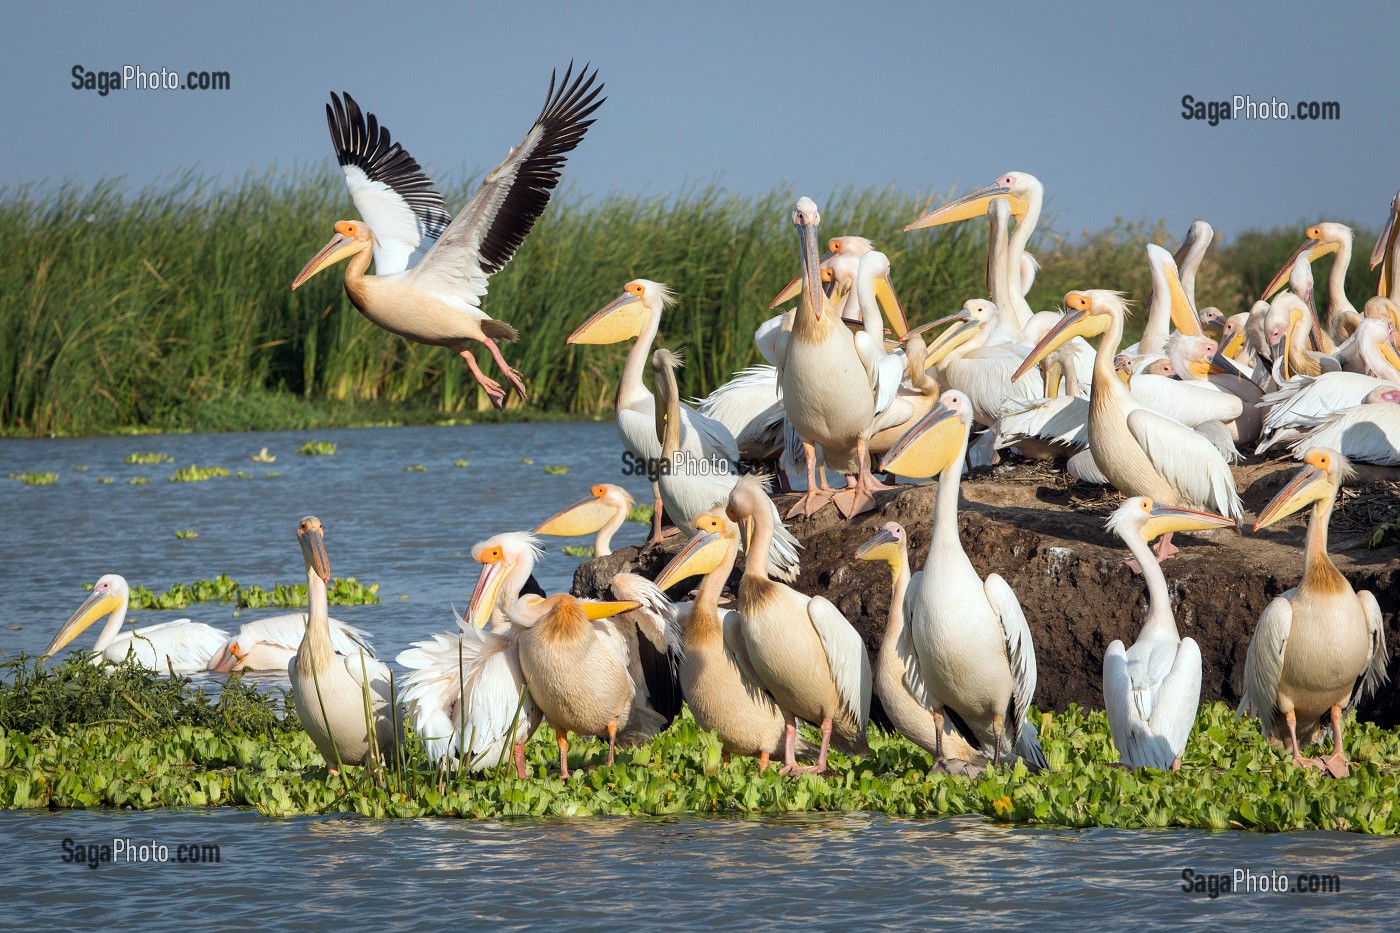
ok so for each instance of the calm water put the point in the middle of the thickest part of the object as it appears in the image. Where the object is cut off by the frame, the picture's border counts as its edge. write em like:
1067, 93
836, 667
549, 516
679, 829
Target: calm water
412, 533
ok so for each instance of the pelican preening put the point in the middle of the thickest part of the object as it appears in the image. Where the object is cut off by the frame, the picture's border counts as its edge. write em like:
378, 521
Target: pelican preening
178, 647
437, 301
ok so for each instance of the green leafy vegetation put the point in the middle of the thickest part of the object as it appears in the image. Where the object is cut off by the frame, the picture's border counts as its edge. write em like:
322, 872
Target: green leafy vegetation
81, 468
138, 481
76, 735
33, 478
106, 480
148, 458
343, 591
318, 449
641, 514
577, 550
462, 463
556, 470
186, 533
415, 468
1384, 534
197, 474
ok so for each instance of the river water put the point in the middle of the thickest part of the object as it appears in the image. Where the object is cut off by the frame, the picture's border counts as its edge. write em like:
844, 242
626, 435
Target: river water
412, 532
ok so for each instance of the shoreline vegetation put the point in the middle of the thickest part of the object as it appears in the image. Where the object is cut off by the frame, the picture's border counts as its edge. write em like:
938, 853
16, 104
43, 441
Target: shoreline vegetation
170, 309
75, 735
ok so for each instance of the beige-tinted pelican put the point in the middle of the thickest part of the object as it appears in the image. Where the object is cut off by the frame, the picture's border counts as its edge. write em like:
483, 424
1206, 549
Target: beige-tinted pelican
438, 301
603, 512
1320, 647
803, 649
335, 695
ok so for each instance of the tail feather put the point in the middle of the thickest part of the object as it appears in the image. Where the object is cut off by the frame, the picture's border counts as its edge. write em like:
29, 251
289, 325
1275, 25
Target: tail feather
1028, 747
499, 330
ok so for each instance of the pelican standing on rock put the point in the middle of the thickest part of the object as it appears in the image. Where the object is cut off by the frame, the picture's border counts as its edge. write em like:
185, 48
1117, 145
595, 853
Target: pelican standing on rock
180, 646
803, 649
1320, 647
438, 301
602, 512
336, 696
1152, 689
971, 636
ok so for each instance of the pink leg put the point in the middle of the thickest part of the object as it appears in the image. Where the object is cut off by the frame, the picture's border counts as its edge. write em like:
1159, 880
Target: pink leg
563, 756
826, 743
857, 497
1298, 759
612, 741
816, 496
790, 746
1336, 763
512, 376
493, 388
1176, 763
520, 760
1164, 548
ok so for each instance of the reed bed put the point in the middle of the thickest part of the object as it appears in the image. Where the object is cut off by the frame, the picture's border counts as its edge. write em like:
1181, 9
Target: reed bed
169, 309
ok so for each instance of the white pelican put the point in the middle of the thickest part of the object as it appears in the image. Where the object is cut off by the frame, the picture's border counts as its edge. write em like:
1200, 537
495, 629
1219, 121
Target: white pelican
636, 316
1304, 402
180, 646
603, 512
336, 696
899, 676
968, 362
1139, 451
269, 644
722, 689
465, 688
1288, 324
690, 487
828, 379
1371, 348
581, 672
1320, 647
1198, 362
1168, 306
1189, 254
971, 636
1368, 433
1322, 239
1151, 690
804, 651
1386, 253
438, 301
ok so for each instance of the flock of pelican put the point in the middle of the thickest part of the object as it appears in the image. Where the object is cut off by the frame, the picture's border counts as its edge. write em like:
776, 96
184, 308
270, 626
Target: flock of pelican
1160, 421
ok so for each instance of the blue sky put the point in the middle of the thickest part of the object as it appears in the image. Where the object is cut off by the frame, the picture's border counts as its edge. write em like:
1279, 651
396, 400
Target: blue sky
816, 95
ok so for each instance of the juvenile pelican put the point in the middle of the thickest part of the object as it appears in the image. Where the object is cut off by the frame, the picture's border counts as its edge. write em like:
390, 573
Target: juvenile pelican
971, 636
1152, 689
270, 644
438, 301
580, 672
1320, 647
721, 687
804, 651
180, 646
603, 512
899, 675
336, 695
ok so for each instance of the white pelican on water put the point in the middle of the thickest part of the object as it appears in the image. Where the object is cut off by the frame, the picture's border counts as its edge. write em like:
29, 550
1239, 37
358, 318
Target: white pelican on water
971, 636
1320, 647
1151, 690
335, 696
438, 300
180, 646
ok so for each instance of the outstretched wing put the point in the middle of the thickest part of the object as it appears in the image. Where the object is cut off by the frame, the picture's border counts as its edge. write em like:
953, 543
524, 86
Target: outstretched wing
391, 192
488, 231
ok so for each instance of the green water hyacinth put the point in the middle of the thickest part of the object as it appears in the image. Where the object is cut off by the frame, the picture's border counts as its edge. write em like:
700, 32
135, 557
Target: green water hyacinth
556, 470
196, 474
32, 478
148, 458
76, 735
318, 449
343, 591
576, 550
641, 514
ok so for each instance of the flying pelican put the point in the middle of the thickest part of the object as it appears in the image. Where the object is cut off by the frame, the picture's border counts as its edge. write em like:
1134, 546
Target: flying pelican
693, 488
899, 676
721, 687
438, 301
580, 671
269, 644
1139, 451
1152, 689
180, 646
828, 380
636, 316
1320, 647
603, 512
1324, 238
334, 695
971, 636
804, 651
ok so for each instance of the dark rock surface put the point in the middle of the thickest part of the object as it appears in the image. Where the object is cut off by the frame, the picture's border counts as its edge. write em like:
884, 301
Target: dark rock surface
1051, 545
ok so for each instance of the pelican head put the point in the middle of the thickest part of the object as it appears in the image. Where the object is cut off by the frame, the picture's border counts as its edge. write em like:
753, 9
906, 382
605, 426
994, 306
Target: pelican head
705, 551
976, 316
1150, 520
1321, 475
1386, 242
351, 237
1286, 313
1016, 187
1232, 334
806, 218
109, 594
313, 547
935, 442
532, 609
1320, 240
890, 545
1087, 314
836, 246
624, 317
1166, 278
589, 514
1378, 306
500, 557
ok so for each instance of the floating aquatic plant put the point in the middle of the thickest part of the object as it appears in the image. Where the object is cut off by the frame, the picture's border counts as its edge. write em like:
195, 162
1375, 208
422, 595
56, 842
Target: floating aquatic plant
318, 449
343, 591
528, 461
558, 470
641, 514
272, 473
577, 550
197, 474
186, 533
243, 474
148, 457
106, 480
32, 478
80, 468
462, 463
138, 481
415, 468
